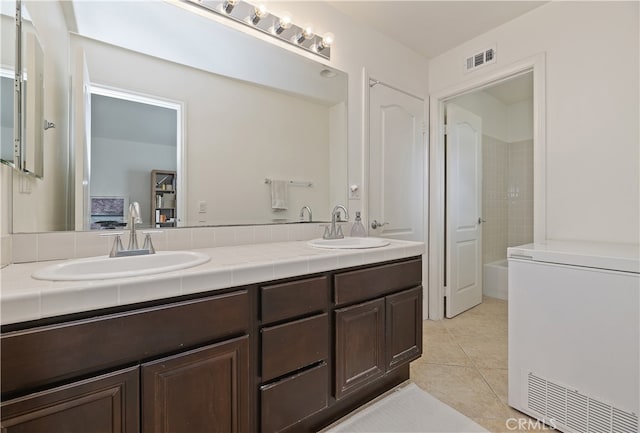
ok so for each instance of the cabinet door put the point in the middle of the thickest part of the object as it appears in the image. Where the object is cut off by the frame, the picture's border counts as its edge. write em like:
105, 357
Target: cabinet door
107, 403
359, 345
404, 327
203, 390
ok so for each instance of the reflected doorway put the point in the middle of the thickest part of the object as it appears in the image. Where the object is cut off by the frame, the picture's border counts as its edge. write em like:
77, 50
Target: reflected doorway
130, 137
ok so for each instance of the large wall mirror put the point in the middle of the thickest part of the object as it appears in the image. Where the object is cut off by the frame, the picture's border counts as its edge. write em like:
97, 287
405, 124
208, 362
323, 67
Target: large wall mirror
199, 122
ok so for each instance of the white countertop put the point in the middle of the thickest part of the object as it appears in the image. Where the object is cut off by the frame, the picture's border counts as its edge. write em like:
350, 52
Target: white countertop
600, 255
23, 298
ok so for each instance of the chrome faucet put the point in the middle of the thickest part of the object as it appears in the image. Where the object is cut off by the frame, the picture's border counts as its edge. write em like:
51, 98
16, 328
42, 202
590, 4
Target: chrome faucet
132, 248
302, 213
335, 231
134, 218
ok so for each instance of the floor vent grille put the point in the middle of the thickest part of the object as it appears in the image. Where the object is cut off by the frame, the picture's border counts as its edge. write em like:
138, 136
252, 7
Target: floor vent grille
562, 406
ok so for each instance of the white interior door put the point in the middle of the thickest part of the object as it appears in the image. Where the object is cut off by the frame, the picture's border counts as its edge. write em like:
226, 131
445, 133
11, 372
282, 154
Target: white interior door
463, 210
396, 164
81, 118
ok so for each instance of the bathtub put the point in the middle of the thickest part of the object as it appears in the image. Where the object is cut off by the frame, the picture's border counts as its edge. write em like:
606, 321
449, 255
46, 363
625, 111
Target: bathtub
495, 280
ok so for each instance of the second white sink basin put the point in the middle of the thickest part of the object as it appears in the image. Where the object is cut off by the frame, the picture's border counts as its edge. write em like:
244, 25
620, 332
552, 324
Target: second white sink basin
104, 267
349, 243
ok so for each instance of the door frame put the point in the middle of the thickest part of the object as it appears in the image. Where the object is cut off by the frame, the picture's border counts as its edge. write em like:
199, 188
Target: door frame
366, 173
436, 236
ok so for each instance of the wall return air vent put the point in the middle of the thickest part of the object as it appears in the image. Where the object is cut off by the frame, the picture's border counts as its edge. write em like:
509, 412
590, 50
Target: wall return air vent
482, 58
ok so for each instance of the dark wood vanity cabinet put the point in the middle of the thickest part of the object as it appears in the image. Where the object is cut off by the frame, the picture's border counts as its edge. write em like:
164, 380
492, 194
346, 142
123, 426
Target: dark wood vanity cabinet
375, 336
285, 356
187, 370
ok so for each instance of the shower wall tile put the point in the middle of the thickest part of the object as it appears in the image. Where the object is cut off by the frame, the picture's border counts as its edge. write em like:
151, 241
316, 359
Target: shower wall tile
507, 194
520, 193
494, 212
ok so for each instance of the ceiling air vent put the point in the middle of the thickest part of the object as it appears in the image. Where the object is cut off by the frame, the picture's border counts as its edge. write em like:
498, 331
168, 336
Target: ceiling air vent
482, 58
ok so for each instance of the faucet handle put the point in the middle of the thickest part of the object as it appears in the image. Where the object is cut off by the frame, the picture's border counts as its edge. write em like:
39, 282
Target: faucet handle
327, 233
117, 243
148, 245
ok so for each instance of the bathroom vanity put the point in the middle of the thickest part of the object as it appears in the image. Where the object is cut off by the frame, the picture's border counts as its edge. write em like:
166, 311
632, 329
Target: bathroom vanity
287, 354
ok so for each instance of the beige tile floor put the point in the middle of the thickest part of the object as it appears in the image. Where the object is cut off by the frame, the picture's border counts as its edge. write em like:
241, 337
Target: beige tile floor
464, 365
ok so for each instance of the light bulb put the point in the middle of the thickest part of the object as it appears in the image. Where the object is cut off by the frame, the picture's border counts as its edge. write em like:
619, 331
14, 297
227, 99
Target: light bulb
326, 41
305, 34
228, 5
259, 12
284, 22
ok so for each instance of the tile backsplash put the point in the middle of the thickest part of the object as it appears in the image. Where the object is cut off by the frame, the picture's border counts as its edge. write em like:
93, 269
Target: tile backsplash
32, 247
5, 251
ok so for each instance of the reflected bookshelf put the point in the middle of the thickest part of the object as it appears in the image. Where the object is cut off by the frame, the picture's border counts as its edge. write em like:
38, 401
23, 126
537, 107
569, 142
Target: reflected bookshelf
163, 198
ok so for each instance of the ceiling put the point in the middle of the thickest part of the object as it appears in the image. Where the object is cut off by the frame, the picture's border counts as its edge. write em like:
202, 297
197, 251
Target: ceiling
433, 27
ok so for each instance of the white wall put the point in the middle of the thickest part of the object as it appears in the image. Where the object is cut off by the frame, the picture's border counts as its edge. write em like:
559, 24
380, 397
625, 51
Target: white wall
592, 93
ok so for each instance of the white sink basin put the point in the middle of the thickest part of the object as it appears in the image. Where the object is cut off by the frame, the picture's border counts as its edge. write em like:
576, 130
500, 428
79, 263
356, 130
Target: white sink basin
349, 243
104, 267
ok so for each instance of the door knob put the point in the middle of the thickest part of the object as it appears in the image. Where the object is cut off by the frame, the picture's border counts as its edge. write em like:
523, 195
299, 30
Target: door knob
375, 224
480, 220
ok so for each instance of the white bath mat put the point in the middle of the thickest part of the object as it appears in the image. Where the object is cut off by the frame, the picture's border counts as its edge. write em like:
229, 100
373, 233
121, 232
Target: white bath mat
407, 409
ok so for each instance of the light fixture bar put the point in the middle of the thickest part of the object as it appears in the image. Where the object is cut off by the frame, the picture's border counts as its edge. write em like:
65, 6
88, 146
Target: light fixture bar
279, 27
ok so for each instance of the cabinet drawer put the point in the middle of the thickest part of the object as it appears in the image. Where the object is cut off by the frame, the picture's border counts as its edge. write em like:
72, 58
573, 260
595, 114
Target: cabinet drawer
370, 283
39, 356
287, 300
292, 399
294, 345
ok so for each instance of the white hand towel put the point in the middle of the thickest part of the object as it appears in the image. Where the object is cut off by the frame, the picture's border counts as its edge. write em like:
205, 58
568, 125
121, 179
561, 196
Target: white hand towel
279, 194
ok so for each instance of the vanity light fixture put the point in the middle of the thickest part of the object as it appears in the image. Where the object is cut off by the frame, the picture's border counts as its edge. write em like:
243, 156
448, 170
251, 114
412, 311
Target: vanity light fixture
278, 26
